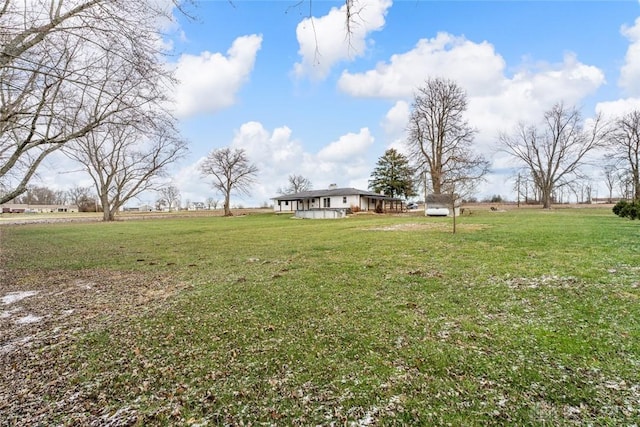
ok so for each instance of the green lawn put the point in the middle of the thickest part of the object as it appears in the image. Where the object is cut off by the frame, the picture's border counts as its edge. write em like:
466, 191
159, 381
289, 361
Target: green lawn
524, 317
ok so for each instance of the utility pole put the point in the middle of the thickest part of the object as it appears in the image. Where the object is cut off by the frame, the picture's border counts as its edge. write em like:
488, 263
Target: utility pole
425, 192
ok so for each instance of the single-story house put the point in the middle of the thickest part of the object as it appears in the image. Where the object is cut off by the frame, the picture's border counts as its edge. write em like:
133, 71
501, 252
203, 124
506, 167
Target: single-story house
27, 208
141, 208
196, 206
335, 202
441, 204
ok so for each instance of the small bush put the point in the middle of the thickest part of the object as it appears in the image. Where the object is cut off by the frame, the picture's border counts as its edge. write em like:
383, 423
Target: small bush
631, 211
619, 207
625, 209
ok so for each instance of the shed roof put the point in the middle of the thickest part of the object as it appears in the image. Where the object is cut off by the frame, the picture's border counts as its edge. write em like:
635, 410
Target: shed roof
441, 199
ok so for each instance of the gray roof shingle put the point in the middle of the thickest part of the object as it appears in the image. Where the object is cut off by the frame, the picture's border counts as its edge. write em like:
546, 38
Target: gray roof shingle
333, 192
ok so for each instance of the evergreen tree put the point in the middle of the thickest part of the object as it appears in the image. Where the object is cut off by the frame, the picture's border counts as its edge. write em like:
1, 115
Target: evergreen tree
393, 176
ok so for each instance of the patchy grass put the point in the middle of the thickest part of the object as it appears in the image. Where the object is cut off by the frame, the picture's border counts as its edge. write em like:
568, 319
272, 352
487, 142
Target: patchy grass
523, 317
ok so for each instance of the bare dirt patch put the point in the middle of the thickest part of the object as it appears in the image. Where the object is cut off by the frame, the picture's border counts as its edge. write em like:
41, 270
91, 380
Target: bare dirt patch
42, 314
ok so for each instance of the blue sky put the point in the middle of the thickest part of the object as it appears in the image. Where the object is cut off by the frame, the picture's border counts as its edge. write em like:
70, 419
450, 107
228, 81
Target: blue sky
302, 98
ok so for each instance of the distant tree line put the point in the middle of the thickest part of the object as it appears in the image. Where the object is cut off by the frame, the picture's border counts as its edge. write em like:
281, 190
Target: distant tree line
82, 197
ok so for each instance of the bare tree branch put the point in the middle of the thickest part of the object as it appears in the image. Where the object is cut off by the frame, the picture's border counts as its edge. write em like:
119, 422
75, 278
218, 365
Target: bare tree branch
296, 184
68, 68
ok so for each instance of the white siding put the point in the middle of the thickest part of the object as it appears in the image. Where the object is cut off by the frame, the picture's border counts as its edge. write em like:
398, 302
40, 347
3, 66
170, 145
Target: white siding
284, 206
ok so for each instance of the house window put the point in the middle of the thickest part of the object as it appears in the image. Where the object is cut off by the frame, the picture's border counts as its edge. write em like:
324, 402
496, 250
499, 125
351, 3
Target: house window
326, 202
344, 199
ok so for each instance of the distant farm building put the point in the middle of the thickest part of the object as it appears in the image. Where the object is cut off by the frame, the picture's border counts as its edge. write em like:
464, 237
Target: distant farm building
26, 208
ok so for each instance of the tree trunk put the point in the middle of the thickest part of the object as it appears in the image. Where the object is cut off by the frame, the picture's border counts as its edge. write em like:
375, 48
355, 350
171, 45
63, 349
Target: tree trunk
107, 213
435, 183
227, 209
546, 198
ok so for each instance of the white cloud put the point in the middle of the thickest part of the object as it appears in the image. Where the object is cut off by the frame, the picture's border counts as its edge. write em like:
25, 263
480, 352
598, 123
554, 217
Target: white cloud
525, 96
394, 125
630, 71
496, 100
210, 81
325, 41
347, 146
395, 121
569, 81
276, 154
274, 149
475, 66
618, 108
479, 70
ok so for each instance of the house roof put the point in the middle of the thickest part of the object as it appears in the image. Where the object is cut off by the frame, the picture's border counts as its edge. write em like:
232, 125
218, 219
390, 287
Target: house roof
334, 192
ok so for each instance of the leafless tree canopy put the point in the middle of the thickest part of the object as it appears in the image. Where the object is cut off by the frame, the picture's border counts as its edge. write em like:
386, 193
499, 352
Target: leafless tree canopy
42, 196
440, 139
68, 68
555, 150
296, 184
82, 198
625, 183
125, 160
624, 141
231, 171
169, 197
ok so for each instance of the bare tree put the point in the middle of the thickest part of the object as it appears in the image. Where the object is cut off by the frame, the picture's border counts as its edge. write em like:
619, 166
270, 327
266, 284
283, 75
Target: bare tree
61, 197
66, 68
231, 171
296, 184
625, 183
82, 198
169, 197
624, 140
610, 178
555, 150
40, 196
212, 203
440, 139
124, 160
